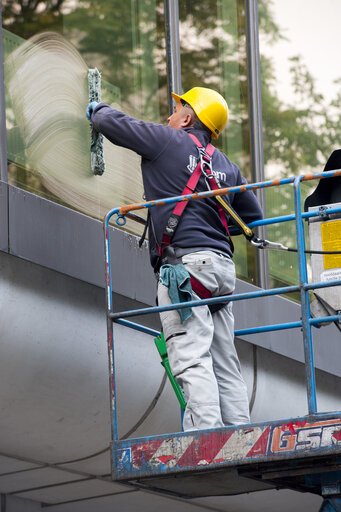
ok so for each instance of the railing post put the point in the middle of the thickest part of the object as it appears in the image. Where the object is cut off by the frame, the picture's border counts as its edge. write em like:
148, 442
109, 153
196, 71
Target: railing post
110, 330
305, 306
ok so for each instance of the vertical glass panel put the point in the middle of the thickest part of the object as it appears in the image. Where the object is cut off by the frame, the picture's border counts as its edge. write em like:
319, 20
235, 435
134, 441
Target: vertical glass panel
47, 93
214, 54
299, 45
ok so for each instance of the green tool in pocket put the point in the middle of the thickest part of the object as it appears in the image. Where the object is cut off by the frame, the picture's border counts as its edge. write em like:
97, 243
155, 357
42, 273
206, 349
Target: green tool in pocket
162, 348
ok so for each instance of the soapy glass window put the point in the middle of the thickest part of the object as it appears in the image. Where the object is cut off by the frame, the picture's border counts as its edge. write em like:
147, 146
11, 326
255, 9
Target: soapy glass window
48, 49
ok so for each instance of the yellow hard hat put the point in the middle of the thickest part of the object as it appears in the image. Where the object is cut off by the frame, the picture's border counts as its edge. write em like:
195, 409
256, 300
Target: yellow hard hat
209, 106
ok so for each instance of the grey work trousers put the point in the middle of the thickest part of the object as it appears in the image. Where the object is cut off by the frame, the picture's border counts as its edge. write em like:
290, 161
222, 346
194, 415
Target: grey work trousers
201, 351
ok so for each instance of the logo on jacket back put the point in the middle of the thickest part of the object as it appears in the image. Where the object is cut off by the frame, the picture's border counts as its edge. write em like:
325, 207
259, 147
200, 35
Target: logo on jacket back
193, 162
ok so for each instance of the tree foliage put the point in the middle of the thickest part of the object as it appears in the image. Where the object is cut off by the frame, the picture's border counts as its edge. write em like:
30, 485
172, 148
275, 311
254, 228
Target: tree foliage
27, 17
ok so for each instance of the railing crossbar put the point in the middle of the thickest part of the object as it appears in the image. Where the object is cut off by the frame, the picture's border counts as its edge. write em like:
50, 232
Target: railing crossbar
224, 298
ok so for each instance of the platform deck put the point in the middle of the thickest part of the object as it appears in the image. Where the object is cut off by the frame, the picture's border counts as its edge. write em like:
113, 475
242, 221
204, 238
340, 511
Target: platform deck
302, 453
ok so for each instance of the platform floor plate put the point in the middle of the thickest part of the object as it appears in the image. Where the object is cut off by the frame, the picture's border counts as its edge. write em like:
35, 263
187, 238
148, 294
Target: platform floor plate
232, 460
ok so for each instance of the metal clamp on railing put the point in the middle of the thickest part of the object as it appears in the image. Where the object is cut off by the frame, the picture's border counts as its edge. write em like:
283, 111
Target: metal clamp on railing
120, 220
323, 212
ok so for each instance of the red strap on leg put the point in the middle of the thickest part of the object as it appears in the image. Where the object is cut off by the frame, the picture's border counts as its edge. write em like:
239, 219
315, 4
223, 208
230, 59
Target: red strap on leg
204, 293
200, 289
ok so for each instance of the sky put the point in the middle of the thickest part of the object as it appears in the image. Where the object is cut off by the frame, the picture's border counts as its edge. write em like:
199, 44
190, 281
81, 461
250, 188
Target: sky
312, 28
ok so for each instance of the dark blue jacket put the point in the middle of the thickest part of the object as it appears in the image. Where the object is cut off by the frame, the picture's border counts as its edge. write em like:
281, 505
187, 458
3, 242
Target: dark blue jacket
167, 162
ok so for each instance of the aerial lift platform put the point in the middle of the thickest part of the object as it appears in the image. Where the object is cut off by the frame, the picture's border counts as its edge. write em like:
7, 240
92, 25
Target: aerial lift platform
303, 454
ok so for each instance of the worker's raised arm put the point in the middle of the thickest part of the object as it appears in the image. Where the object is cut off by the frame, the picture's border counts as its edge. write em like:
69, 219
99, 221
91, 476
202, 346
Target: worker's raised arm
146, 139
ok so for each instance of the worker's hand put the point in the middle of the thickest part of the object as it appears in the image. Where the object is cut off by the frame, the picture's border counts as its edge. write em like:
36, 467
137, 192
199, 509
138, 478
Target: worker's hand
90, 108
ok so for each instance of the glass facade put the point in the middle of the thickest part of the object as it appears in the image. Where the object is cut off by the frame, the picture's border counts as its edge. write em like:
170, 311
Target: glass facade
127, 42
301, 107
213, 43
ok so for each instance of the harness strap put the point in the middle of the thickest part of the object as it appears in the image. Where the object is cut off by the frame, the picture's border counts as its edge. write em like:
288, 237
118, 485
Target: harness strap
174, 218
144, 234
214, 186
204, 293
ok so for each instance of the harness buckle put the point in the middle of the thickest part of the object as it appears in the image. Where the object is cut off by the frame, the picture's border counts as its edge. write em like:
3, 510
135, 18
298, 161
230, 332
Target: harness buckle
206, 162
169, 256
172, 224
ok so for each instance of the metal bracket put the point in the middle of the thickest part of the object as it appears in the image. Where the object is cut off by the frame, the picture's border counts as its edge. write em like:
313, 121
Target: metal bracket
266, 244
323, 212
120, 220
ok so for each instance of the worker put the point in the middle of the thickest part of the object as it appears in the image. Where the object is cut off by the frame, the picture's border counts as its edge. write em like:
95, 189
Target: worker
201, 349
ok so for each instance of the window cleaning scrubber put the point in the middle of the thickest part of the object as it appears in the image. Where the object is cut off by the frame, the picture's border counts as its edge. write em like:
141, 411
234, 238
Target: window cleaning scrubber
96, 138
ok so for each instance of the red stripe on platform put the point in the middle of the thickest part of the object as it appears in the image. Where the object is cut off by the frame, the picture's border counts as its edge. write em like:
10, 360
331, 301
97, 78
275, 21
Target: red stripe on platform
260, 446
142, 453
204, 448
337, 435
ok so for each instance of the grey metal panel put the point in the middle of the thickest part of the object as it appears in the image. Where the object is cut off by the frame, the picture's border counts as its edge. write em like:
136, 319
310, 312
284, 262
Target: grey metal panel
132, 274
54, 393
72, 243
14, 504
3, 217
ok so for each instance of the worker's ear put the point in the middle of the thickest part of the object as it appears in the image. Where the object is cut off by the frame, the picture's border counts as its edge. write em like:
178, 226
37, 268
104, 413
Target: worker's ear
187, 120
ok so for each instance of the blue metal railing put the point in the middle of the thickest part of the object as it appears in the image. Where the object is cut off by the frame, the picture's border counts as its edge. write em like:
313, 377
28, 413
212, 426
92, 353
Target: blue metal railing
306, 321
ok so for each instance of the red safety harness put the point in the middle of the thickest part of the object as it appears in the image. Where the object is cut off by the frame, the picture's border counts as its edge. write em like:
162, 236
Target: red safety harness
204, 167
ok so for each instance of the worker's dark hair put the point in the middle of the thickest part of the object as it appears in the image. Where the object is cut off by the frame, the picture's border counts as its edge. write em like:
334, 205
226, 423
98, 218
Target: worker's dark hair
197, 124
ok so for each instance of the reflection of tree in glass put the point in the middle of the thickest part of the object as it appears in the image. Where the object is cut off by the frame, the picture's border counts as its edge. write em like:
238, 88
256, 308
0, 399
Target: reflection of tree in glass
126, 41
123, 39
299, 138
213, 54
27, 18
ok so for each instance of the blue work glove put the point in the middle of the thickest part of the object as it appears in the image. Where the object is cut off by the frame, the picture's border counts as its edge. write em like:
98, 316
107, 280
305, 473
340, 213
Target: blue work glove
90, 108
